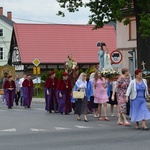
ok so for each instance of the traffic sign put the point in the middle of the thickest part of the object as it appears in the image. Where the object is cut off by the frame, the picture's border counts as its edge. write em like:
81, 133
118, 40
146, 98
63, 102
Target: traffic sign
116, 56
36, 70
36, 62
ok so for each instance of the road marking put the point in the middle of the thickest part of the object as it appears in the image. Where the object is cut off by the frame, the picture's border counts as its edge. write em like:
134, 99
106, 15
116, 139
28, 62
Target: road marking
38, 108
61, 128
18, 109
2, 110
9, 130
37, 130
82, 127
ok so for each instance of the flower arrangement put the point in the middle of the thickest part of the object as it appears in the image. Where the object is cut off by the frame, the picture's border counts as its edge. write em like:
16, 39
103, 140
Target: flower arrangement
110, 73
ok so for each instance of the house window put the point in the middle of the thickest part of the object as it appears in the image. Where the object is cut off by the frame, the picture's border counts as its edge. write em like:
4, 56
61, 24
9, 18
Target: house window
1, 32
1, 53
132, 29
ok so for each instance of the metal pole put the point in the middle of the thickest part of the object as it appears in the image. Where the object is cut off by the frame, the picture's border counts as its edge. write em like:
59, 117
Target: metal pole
134, 59
37, 82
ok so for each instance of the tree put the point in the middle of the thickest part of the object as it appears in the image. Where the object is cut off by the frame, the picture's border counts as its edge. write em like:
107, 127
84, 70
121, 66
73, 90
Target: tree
104, 11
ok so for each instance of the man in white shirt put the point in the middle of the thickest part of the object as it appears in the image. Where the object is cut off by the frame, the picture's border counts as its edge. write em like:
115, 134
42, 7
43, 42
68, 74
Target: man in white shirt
20, 83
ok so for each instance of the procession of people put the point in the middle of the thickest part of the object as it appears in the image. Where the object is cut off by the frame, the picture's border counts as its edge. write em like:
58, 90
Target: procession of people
92, 95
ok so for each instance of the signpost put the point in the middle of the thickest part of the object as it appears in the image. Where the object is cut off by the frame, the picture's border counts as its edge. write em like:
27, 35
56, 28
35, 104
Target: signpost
36, 69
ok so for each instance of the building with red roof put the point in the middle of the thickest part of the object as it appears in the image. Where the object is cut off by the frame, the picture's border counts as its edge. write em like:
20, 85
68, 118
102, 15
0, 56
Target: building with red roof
52, 43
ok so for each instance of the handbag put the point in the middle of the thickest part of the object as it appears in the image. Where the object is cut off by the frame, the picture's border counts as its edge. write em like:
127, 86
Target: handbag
78, 94
1, 91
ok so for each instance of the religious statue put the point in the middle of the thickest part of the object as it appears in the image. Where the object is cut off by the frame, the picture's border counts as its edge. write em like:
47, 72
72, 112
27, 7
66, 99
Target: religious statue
107, 61
101, 58
71, 69
69, 63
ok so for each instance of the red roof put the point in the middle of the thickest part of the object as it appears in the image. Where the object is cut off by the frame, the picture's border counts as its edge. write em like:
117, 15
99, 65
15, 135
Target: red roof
51, 43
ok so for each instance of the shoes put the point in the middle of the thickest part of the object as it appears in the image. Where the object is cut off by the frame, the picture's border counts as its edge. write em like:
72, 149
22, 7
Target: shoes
106, 118
127, 124
112, 115
85, 120
100, 118
145, 128
95, 116
119, 123
79, 119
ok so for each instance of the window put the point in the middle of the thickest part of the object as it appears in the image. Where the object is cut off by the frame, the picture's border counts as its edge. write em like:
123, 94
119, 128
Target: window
132, 29
1, 32
1, 53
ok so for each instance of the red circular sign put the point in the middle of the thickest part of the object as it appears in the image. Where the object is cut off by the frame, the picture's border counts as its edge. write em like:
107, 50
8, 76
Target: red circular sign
116, 56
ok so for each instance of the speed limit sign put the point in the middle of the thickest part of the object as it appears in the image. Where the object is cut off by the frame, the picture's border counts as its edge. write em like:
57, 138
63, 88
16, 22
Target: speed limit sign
116, 56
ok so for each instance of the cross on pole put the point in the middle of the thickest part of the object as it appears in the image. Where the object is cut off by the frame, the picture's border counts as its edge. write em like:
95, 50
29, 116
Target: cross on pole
143, 65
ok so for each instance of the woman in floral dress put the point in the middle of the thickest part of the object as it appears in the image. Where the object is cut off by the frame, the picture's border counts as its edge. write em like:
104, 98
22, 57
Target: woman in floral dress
120, 89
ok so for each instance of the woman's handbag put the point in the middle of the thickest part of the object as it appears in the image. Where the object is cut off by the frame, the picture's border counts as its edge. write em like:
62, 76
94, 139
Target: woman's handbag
78, 94
1, 91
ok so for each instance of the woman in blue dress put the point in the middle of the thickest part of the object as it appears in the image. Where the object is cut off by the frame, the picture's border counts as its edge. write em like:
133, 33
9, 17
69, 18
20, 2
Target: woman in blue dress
138, 92
91, 95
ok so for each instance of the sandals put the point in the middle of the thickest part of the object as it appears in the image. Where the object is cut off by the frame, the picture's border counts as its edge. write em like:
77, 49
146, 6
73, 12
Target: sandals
105, 118
127, 124
119, 123
100, 118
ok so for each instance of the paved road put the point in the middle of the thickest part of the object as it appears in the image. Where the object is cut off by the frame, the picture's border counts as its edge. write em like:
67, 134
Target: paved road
35, 129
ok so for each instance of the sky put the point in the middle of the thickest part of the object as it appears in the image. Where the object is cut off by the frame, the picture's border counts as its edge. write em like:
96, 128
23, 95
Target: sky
42, 11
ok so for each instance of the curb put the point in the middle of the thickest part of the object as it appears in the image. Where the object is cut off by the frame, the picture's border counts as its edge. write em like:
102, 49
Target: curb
38, 100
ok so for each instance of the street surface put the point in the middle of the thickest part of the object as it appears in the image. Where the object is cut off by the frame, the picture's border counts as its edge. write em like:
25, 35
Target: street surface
35, 129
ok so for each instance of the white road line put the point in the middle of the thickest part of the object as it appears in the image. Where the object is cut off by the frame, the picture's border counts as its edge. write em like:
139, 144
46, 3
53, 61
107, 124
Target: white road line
18, 109
9, 130
2, 110
82, 127
37, 130
61, 128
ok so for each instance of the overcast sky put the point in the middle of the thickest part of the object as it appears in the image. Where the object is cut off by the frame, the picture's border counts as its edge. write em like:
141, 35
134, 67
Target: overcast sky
42, 11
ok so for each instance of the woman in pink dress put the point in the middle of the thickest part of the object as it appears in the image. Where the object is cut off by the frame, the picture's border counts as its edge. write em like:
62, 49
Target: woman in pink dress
100, 94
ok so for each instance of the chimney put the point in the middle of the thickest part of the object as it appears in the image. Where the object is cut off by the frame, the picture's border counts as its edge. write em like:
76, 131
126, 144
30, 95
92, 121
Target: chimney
9, 15
1, 11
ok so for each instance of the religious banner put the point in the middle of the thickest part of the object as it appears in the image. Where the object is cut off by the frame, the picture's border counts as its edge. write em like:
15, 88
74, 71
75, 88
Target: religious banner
7, 69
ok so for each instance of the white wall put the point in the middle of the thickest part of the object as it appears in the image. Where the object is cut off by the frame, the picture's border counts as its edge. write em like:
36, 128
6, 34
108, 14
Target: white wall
5, 41
124, 44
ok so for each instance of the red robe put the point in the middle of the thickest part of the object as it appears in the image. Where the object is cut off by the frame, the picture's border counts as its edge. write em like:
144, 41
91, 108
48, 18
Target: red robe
51, 99
9, 94
27, 87
64, 103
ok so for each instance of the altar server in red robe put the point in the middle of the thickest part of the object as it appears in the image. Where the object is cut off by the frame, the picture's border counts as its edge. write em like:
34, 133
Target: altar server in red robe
27, 86
9, 91
64, 90
50, 93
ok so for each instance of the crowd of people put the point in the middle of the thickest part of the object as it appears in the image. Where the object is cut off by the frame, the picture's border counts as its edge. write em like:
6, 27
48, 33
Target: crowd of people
128, 95
15, 90
98, 92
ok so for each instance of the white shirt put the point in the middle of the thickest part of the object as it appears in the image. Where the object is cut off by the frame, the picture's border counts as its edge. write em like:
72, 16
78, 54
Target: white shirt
21, 81
132, 89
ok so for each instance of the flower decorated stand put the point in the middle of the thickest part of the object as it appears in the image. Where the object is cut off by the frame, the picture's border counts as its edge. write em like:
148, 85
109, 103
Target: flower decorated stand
110, 74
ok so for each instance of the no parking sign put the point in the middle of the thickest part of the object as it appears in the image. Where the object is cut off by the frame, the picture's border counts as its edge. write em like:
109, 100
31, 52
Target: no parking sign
116, 56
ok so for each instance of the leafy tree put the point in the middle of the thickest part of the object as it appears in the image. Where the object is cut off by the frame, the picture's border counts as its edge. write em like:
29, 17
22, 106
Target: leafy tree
104, 11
